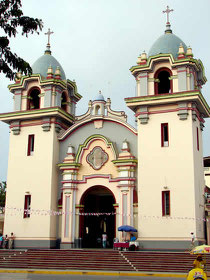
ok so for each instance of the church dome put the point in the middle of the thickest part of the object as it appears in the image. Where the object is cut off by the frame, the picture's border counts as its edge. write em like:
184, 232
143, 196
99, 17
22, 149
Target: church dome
167, 43
99, 97
42, 64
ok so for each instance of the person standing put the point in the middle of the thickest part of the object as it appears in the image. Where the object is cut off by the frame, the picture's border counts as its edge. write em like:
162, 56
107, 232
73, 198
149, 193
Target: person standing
11, 241
1, 241
192, 240
5, 242
104, 240
196, 273
199, 262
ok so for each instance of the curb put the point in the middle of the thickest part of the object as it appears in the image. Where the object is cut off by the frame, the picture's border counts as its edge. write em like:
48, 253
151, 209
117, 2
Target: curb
96, 273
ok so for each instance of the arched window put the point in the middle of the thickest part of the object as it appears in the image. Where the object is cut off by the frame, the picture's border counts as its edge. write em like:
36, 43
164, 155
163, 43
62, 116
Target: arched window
97, 110
33, 99
64, 101
163, 84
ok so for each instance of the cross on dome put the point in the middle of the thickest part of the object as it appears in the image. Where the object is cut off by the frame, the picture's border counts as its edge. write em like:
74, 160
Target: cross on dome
168, 11
49, 33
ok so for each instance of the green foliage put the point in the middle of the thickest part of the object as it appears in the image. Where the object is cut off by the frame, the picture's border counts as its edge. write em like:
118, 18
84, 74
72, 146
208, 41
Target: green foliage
11, 19
3, 186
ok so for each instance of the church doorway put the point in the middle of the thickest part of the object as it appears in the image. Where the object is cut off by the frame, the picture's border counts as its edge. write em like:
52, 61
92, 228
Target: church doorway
97, 199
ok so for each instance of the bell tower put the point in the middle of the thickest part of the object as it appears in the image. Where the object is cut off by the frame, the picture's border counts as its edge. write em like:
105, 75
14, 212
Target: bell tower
170, 111
44, 106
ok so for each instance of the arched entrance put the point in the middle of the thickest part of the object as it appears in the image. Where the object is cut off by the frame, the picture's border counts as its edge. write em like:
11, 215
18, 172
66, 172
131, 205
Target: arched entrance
97, 199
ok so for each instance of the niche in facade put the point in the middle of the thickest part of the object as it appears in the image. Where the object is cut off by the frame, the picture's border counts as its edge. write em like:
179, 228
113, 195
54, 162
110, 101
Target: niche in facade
64, 101
163, 84
33, 99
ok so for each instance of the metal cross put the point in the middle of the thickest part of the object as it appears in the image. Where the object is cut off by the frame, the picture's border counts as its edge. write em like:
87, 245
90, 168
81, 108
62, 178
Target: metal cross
167, 11
49, 33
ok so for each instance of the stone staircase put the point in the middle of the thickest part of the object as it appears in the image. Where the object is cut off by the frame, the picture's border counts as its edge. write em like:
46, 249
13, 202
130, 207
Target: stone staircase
104, 260
107, 260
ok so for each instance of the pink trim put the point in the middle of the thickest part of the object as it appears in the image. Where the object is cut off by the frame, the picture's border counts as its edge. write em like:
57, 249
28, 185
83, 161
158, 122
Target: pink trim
100, 102
197, 132
173, 110
125, 165
144, 76
67, 196
38, 123
48, 89
85, 178
70, 168
179, 71
131, 157
123, 208
126, 185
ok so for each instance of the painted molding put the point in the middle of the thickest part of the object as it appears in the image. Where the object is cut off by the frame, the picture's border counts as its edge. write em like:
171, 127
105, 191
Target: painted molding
91, 139
195, 94
81, 123
96, 176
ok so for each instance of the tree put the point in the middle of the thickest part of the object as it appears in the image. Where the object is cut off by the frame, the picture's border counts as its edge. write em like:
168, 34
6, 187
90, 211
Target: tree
3, 186
11, 19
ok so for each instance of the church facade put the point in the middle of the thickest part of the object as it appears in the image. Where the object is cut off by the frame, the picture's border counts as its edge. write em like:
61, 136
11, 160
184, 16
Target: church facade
72, 178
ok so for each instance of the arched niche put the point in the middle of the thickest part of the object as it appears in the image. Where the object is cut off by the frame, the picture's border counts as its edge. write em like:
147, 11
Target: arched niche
163, 84
33, 99
64, 101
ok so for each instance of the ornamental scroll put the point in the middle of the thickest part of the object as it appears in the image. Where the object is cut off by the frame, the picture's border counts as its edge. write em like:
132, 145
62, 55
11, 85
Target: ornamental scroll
97, 158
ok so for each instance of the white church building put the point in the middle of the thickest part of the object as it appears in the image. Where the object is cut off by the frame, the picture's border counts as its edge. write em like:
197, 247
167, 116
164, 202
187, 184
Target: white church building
71, 178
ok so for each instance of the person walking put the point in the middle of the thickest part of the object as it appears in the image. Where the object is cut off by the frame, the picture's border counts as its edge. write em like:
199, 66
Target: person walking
104, 240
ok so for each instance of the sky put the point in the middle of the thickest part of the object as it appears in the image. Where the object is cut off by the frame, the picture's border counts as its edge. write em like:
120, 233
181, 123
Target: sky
97, 41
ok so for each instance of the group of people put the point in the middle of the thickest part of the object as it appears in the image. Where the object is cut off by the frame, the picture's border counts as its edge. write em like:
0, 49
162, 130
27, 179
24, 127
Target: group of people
7, 242
198, 269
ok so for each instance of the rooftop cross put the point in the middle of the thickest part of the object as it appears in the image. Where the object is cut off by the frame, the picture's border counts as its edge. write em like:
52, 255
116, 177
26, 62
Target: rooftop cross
167, 11
49, 33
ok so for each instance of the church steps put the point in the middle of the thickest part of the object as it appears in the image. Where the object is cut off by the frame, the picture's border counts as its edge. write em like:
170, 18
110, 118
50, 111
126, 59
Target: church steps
109, 260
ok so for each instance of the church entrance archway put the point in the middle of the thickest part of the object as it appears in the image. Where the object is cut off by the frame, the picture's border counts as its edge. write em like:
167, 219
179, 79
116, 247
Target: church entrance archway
97, 199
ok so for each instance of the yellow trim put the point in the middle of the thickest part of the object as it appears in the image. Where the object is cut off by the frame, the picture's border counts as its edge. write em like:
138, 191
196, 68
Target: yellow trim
105, 273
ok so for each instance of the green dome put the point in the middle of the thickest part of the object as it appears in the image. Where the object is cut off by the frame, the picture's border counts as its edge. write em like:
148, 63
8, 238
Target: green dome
167, 43
42, 64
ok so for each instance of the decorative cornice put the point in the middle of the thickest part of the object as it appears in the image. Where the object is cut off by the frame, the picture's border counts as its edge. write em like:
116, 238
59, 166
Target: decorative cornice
150, 99
125, 160
101, 176
51, 111
66, 164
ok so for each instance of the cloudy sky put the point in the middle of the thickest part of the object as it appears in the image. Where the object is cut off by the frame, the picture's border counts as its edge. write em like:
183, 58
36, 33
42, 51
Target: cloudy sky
97, 41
